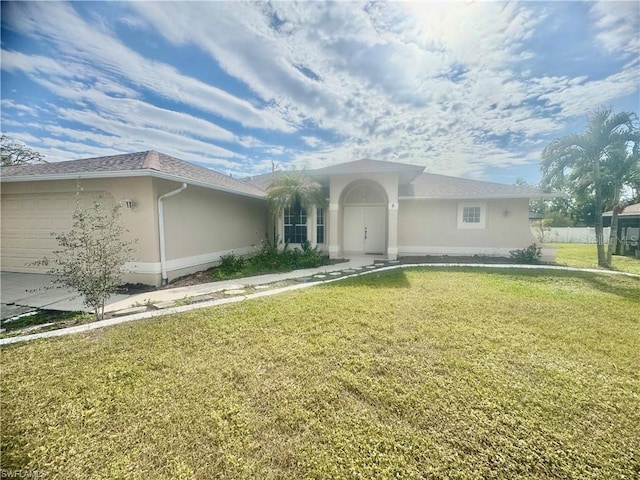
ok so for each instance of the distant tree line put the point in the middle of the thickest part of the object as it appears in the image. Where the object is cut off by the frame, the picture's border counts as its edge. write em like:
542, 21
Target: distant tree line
17, 153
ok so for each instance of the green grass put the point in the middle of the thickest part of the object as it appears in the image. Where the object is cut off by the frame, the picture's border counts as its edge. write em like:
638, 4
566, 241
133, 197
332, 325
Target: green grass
420, 373
40, 317
586, 256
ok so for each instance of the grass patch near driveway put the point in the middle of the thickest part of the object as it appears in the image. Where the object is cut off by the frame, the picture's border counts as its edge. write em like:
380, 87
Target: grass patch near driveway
417, 373
48, 318
586, 256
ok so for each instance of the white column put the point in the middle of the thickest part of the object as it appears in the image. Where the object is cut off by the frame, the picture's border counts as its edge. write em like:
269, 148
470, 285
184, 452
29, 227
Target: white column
280, 227
332, 220
392, 231
311, 226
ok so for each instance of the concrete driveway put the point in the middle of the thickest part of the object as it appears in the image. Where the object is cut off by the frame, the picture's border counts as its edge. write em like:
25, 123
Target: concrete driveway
27, 292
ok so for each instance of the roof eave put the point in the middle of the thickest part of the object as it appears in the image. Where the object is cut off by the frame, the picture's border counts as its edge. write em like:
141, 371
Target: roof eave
478, 197
620, 215
126, 174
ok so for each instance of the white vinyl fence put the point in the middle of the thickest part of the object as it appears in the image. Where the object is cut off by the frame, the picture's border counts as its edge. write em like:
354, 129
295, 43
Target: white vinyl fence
570, 234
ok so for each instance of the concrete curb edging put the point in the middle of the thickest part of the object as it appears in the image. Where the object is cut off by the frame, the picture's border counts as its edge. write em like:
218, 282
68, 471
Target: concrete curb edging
212, 303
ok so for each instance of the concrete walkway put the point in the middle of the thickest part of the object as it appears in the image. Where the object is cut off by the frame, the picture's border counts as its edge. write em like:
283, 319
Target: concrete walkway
158, 302
315, 276
184, 294
22, 293
27, 292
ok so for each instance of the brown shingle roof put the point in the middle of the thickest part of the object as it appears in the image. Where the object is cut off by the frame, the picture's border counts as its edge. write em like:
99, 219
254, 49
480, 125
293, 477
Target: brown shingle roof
633, 209
422, 185
262, 181
151, 161
433, 186
112, 163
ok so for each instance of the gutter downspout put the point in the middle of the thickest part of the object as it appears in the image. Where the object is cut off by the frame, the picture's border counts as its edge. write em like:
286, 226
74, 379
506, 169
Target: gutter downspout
163, 251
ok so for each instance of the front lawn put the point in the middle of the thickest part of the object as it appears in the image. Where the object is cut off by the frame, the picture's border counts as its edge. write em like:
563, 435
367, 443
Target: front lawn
411, 374
586, 256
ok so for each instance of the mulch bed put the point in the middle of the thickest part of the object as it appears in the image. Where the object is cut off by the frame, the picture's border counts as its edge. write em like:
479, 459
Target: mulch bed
205, 276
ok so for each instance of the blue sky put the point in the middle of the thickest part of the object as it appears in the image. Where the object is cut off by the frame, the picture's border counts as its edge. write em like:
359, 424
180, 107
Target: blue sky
467, 89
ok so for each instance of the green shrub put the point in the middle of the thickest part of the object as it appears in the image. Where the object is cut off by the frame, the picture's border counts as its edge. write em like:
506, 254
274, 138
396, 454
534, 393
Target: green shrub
231, 263
309, 257
529, 255
267, 257
270, 258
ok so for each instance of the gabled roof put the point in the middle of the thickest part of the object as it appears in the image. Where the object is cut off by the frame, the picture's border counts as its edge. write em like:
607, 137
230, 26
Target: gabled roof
629, 210
149, 163
262, 181
405, 172
433, 186
413, 183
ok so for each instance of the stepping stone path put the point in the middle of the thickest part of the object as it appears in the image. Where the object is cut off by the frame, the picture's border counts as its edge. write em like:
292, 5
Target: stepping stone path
261, 287
319, 276
235, 291
36, 327
371, 267
202, 298
165, 304
349, 270
129, 311
335, 274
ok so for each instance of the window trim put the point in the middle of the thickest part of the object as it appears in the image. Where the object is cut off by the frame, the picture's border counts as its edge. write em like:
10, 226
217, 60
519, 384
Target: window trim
482, 224
303, 214
321, 213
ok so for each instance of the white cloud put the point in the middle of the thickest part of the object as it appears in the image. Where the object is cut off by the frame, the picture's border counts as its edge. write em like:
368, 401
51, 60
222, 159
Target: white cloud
579, 96
312, 141
618, 25
86, 45
32, 64
348, 68
446, 85
22, 109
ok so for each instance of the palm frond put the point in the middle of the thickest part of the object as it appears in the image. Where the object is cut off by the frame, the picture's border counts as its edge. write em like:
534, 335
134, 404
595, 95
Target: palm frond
294, 189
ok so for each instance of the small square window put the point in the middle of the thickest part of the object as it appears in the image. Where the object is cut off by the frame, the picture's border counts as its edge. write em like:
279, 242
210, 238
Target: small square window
472, 215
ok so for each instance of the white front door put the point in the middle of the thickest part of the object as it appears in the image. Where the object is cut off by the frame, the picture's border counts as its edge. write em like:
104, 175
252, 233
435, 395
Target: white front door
364, 228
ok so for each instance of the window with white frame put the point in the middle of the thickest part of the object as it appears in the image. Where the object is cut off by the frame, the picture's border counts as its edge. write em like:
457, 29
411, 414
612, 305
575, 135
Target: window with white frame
295, 225
472, 215
320, 225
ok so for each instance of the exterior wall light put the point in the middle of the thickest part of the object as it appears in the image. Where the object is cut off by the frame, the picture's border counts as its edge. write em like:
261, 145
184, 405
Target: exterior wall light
129, 204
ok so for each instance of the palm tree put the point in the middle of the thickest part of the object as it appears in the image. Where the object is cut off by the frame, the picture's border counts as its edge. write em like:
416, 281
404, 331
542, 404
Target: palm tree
578, 160
622, 168
296, 191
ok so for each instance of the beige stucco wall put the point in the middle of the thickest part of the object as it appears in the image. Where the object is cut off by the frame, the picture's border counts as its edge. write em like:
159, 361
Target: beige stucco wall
201, 224
431, 227
140, 221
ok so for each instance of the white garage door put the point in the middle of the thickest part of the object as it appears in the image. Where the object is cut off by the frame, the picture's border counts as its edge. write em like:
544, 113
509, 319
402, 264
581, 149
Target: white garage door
27, 222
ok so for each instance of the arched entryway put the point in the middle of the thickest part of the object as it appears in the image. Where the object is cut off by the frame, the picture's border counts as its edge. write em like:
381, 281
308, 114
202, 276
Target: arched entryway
364, 218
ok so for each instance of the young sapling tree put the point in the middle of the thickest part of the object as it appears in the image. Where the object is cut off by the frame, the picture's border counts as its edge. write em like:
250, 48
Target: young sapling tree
91, 256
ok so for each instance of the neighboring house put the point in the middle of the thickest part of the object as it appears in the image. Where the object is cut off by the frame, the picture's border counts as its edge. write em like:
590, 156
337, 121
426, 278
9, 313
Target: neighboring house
186, 216
628, 234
